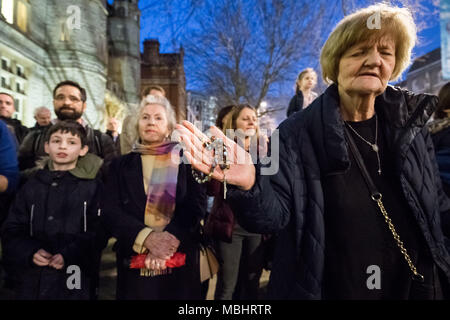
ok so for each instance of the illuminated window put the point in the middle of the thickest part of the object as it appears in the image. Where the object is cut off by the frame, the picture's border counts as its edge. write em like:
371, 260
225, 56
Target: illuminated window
8, 10
22, 16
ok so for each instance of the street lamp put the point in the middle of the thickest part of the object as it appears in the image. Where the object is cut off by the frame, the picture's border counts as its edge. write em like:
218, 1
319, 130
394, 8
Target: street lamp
263, 104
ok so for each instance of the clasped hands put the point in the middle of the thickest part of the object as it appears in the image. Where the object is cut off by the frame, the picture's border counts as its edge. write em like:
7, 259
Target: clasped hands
43, 258
161, 246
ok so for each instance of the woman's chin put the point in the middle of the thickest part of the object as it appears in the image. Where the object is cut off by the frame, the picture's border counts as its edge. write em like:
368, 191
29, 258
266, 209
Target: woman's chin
151, 141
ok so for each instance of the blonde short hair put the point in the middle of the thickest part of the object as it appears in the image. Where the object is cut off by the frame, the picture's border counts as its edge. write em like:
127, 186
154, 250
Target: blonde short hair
162, 101
394, 21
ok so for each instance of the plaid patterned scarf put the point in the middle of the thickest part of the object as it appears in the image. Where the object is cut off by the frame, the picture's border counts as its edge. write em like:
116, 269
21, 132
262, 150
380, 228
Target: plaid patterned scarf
162, 186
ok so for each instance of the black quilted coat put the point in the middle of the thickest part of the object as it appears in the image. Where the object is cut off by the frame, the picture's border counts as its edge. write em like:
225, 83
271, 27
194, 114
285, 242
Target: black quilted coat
312, 145
59, 213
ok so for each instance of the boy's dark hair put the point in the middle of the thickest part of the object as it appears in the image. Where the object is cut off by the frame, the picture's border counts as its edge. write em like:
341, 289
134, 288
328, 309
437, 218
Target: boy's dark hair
73, 84
65, 126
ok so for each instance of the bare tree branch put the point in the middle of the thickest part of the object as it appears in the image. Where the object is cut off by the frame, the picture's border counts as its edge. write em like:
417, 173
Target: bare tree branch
242, 48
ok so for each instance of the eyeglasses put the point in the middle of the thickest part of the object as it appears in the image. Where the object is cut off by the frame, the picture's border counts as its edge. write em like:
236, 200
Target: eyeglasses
62, 97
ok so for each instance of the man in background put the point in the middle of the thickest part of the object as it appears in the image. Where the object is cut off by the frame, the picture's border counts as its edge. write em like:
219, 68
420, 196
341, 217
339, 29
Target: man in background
43, 117
7, 110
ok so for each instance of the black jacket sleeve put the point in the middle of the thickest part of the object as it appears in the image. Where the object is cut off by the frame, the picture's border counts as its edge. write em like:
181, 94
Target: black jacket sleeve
291, 108
21, 132
19, 246
27, 156
296, 104
266, 208
108, 149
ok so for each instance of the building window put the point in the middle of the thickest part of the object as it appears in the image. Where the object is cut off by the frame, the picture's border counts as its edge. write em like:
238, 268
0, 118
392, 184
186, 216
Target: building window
20, 88
121, 13
20, 71
119, 32
5, 83
8, 10
22, 16
18, 105
5, 64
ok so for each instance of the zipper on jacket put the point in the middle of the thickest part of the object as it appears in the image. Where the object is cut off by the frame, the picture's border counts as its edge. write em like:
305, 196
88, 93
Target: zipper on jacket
31, 220
84, 216
99, 212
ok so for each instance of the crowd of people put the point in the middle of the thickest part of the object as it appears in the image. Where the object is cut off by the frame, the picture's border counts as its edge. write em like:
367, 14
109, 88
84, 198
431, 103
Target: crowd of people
362, 185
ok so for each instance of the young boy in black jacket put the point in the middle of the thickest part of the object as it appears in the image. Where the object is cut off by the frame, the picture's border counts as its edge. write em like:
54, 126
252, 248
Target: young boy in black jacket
50, 233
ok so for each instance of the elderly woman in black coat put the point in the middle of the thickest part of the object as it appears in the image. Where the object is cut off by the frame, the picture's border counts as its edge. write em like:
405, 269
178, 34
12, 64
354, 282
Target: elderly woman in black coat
153, 206
357, 199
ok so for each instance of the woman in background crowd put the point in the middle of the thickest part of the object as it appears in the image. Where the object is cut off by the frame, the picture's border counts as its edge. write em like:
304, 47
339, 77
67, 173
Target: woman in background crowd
153, 206
306, 81
240, 252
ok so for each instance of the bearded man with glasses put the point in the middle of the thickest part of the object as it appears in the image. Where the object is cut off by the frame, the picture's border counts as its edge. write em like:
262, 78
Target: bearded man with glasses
69, 102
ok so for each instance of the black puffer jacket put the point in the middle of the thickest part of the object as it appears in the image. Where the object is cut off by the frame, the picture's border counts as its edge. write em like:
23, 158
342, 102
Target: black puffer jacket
296, 104
20, 131
58, 212
312, 145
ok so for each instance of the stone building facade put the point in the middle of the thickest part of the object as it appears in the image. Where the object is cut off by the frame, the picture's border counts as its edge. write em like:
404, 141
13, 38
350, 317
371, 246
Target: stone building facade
201, 108
425, 74
43, 42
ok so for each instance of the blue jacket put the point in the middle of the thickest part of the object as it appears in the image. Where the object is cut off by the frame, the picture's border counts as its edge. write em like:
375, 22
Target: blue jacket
8, 157
312, 145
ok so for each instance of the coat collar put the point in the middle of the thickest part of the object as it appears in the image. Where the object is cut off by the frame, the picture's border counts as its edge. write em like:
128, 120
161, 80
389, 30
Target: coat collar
48, 177
403, 114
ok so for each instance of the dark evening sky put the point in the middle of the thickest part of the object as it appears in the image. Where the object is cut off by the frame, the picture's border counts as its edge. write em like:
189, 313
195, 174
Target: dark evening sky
154, 24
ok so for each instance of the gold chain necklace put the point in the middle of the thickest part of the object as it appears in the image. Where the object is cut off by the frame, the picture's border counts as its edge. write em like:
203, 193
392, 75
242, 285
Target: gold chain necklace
412, 267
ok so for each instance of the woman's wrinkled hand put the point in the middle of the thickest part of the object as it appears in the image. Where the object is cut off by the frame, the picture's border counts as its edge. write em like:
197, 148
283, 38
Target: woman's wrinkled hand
153, 263
162, 245
241, 171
